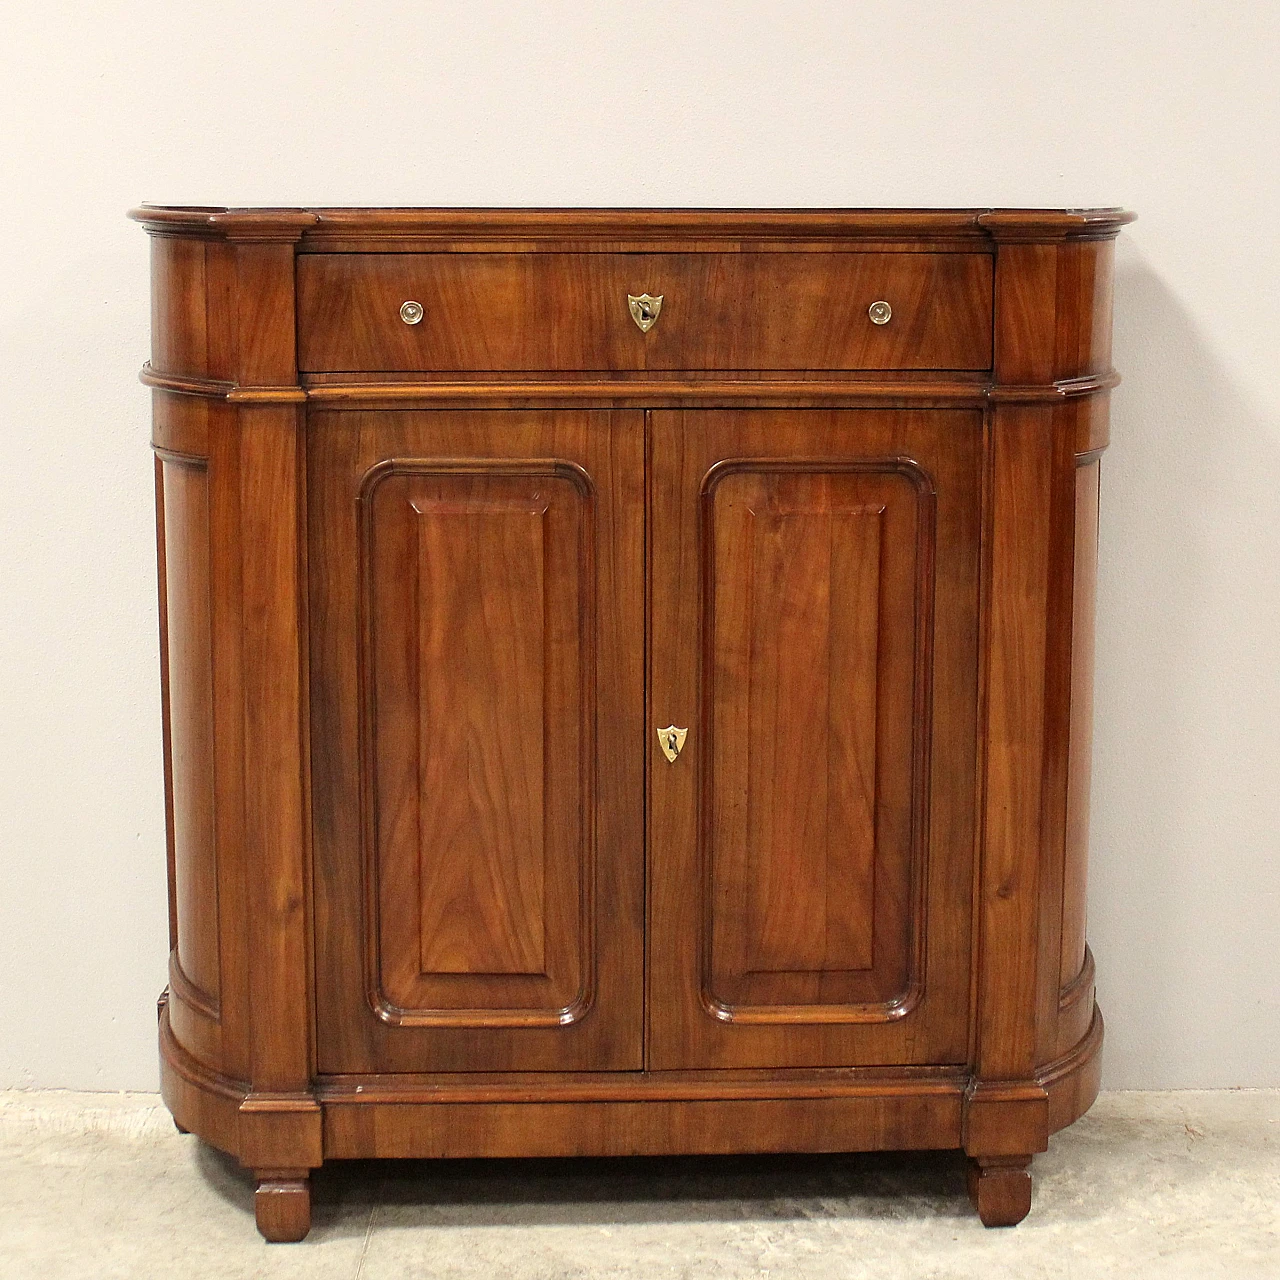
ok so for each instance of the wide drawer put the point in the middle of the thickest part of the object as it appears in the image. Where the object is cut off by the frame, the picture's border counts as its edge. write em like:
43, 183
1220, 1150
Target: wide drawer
570, 311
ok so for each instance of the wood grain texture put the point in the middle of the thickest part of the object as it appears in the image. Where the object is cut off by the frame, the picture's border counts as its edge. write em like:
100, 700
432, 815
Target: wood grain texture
275, 759
1048, 326
479, 627
1014, 741
179, 306
563, 828
810, 692
530, 228
919, 1120
192, 327
1053, 311
208, 1103
700, 809
1068, 986
657, 389
196, 448
1001, 1190
483, 717
637, 1086
1080, 731
188, 665
282, 1204
426, 592
816, 732
720, 311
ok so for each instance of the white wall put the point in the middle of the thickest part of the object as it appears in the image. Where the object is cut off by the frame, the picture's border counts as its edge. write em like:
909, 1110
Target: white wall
1167, 106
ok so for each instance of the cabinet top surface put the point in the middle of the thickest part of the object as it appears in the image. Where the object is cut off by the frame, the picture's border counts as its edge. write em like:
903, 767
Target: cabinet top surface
317, 226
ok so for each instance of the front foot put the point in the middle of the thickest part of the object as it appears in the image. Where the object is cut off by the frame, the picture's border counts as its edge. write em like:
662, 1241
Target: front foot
1000, 1188
282, 1204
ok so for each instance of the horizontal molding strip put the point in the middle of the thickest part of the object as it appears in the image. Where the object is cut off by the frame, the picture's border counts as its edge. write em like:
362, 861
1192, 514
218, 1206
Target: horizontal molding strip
1076, 1058
181, 987
267, 395
360, 1089
306, 225
655, 393
1079, 986
1088, 385
186, 384
652, 1088
218, 389
190, 1068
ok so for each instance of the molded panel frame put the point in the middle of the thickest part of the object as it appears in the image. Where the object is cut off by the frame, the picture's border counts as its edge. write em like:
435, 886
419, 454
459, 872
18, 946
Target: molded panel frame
932, 1023
575, 1009
909, 989
185, 528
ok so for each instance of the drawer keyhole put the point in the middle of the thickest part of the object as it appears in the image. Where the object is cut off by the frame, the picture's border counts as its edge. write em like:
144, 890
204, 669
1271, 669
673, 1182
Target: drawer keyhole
644, 310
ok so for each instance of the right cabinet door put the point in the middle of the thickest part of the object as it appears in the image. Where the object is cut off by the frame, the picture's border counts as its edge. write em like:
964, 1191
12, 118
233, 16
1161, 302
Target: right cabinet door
814, 627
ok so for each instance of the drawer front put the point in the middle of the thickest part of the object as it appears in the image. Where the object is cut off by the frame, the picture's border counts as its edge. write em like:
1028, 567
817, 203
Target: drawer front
728, 311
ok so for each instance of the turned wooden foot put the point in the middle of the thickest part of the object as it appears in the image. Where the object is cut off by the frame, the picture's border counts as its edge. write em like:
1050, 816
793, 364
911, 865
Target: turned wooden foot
1000, 1189
282, 1204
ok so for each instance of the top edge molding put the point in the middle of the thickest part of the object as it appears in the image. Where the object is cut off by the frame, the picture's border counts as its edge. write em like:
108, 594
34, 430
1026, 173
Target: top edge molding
321, 225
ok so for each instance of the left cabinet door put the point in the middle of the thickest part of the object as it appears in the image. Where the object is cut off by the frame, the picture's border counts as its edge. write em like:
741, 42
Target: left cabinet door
477, 720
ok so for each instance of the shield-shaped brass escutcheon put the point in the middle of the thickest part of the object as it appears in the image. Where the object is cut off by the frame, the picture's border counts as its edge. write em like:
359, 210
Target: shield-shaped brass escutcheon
644, 310
672, 740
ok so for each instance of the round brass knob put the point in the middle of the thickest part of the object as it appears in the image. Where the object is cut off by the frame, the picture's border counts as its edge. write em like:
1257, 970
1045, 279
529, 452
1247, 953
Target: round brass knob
411, 312
880, 312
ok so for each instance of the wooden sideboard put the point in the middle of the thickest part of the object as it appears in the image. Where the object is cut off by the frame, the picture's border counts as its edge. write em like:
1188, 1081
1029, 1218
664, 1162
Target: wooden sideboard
627, 681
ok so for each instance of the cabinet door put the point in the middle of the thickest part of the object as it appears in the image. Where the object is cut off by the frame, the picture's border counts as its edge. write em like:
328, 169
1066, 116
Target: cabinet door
477, 724
814, 627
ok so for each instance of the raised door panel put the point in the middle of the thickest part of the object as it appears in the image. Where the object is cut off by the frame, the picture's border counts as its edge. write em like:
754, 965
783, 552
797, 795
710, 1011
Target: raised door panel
477, 615
815, 605
1084, 587
819, 584
187, 619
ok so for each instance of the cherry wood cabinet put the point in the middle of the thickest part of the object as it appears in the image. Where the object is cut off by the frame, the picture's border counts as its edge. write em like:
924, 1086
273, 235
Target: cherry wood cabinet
477, 643
627, 681
814, 598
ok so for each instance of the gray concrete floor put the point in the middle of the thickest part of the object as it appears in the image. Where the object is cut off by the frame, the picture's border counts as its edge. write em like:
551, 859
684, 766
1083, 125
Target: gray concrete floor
1164, 1185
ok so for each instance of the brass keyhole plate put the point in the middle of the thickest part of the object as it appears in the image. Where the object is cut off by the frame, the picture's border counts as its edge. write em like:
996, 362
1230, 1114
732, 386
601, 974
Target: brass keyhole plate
672, 741
644, 310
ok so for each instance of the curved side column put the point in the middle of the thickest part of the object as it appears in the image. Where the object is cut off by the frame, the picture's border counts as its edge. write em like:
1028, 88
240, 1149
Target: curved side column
1036, 1048
234, 641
